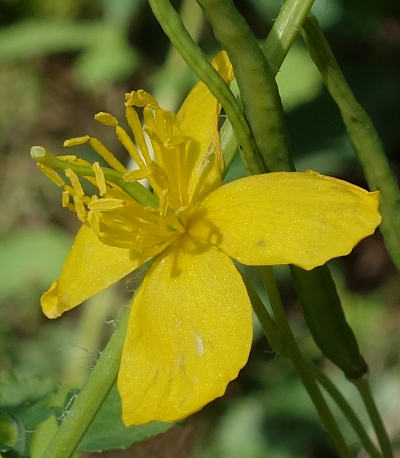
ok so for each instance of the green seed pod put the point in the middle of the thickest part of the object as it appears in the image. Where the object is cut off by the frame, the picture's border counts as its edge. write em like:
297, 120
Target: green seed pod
326, 320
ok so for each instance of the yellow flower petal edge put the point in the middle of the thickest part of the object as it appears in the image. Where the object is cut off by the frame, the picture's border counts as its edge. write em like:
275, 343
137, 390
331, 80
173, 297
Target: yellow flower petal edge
90, 267
189, 334
286, 218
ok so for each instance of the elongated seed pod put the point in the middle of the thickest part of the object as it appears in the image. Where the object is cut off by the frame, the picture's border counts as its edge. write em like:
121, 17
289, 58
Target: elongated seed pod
326, 320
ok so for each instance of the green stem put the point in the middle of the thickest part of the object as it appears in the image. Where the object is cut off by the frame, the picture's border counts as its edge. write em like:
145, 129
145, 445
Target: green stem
172, 25
363, 387
172, 80
267, 323
90, 399
275, 48
272, 334
347, 410
258, 89
306, 376
284, 31
363, 135
89, 334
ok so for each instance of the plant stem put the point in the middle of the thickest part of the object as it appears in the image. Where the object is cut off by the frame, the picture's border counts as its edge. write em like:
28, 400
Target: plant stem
173, 78
284, 31
258, 89
346, 408
88, 336
363, 387
301, 367
90, 399
271, 332
275, 48
172, 25
363, 135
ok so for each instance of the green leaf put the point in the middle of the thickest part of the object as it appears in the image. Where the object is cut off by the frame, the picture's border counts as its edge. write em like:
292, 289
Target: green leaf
108, 432
24, 403
8, 431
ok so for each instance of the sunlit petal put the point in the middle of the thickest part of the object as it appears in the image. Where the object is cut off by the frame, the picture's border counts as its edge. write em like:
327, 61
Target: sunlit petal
189, 334
90, 267
286, 218
198, 118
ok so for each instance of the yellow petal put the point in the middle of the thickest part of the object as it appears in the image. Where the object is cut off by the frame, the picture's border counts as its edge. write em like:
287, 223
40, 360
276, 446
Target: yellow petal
90, 267
286, 218
189, 334
198, 118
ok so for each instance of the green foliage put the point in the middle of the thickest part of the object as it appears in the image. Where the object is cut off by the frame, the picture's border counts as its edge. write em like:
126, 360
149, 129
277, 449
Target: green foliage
108, 432
24, 403
105, 54
30, 258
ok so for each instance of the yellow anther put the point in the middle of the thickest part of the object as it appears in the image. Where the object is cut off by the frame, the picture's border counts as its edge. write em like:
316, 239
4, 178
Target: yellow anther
135, 175
75, 182
100, 180
106, 118
102, 205
76, 141
106, 154
164, 202
51, 174
140, 98
79, 208
65, 199
137, 129
68, 157
129, 146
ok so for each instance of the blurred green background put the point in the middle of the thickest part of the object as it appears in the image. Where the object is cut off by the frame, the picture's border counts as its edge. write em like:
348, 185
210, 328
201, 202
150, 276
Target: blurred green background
60, 63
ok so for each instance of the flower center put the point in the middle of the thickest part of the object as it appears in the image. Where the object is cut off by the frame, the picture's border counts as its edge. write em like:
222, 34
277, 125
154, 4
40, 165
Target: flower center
122, 212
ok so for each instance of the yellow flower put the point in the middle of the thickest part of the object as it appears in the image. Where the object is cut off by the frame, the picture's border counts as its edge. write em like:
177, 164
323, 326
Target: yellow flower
190, 328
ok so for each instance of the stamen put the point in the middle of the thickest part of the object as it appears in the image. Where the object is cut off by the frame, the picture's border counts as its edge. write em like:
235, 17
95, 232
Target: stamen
79, 208
102, 205
134, 123
65, 199
106, 118
73, 178
129, 146
51, 174
76, 141
100, 180
134, 189
106, 154
138, 174
68, 157
140, 98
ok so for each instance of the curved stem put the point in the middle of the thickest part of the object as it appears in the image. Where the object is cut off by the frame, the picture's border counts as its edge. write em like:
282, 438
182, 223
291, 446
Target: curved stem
272, 334
84, 409
363, 387
362, 133
306, 376
346, 408
275, 48
174, 28
172, 79
258, 90
284, 31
